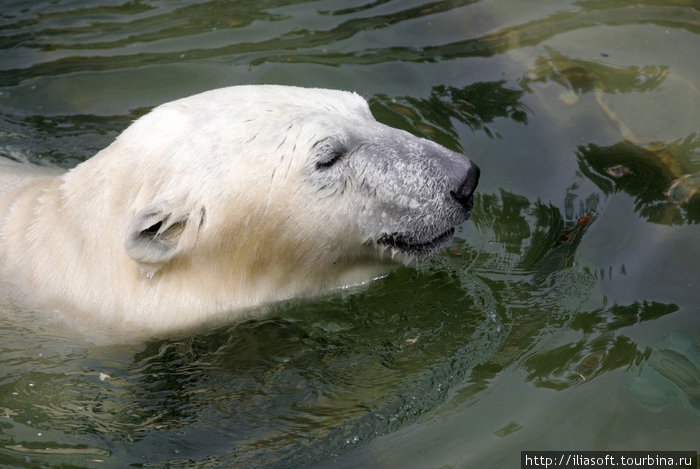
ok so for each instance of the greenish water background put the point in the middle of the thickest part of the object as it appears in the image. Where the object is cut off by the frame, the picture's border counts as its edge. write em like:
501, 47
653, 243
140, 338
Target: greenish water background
565, 315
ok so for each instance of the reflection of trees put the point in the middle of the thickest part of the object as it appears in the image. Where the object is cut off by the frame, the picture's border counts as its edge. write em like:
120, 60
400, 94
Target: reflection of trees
199, 19
61, 140
598, 350
538, 235
646, 174
515, 37
329, 369
133, 22
530, 267
303, 46
474, 105
662, 177
584, 76
668, 374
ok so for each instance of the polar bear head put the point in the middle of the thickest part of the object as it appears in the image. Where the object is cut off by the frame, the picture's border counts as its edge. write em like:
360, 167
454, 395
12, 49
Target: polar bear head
230, 199
266, 174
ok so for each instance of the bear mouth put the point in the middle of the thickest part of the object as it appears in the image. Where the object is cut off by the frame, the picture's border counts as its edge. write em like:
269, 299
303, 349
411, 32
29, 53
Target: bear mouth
409, 245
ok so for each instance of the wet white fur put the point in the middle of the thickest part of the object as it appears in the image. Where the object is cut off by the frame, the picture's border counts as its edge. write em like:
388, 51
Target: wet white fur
229, 172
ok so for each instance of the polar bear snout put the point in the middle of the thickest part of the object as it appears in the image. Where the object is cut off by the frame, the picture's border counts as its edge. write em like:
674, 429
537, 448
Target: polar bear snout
431, 193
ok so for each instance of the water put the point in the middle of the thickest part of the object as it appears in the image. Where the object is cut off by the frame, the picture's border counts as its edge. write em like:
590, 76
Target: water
563, 317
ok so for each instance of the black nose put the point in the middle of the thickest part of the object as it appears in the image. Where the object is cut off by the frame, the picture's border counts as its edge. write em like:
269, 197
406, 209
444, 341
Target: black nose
464, 193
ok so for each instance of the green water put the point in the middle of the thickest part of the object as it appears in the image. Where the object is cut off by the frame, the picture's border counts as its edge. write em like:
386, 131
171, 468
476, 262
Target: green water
564, 317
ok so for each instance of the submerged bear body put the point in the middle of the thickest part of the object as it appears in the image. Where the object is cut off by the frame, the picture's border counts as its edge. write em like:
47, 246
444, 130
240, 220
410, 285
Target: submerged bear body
224, 201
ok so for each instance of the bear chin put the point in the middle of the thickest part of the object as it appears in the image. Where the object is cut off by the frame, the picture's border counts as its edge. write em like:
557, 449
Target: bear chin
412, 249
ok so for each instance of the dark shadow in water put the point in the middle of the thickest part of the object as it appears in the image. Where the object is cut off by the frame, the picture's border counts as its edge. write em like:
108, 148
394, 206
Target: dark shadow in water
543, 291
645, 173
434, 117
660, 176
321, 375
540, 238
599, 349
357, 9
60, 140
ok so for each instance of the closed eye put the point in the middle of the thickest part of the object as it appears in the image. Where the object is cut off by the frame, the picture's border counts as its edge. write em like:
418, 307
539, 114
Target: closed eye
331, 159
329, 153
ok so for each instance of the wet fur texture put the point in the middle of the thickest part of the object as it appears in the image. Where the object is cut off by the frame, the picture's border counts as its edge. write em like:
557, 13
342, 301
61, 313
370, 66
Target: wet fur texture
227, 200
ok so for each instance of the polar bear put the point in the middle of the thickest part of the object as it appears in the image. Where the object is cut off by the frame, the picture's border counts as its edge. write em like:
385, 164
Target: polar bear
214, 204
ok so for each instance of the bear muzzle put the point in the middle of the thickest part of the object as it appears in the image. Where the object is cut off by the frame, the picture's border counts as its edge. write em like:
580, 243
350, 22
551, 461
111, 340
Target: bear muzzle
429, 239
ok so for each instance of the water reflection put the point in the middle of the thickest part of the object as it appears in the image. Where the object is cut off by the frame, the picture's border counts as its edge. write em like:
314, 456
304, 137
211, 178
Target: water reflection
532, 268
203, 19
647, 174
63, 140
668, 374
295, 45
435, 117
76, 27
539, 238
584, 76
662, 177
597, 349
515, 37
320, 376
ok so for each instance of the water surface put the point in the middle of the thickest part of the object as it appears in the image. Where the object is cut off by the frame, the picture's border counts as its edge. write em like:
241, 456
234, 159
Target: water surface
563, 317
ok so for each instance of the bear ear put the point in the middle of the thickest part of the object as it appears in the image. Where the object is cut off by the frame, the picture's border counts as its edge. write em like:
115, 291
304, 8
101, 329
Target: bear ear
159, 233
